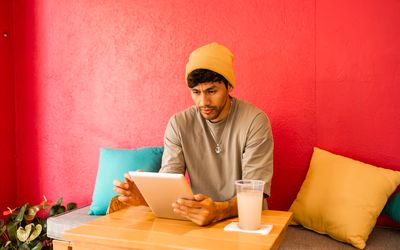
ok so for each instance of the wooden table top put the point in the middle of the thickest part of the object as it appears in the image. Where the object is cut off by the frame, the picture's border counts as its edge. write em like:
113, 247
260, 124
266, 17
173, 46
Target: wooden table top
138, 228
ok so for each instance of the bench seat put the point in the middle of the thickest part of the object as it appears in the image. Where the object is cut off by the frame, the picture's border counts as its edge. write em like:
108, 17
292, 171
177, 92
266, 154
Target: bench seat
57, 224
299, 238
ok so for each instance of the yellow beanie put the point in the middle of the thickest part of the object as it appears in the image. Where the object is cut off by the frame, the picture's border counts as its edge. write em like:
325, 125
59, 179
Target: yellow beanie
215, 57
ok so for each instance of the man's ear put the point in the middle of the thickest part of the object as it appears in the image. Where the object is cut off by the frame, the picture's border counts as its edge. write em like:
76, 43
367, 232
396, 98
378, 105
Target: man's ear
230, 88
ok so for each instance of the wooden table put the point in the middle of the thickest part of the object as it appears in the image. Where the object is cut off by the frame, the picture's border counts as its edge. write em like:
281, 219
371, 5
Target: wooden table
137, 228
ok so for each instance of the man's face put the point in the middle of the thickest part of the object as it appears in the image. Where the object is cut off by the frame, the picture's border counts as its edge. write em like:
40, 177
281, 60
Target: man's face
212, 100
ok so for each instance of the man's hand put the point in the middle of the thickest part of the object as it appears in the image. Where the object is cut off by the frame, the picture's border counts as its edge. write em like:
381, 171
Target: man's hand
203, 210
128, 192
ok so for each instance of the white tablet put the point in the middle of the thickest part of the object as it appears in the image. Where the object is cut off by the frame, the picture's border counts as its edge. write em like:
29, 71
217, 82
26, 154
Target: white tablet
160, 190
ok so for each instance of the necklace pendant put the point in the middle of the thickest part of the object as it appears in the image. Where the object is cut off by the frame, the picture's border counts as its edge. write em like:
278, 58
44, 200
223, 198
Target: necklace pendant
218, 149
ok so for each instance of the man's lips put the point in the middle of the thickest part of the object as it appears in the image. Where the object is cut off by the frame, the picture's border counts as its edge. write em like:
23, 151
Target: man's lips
207, 110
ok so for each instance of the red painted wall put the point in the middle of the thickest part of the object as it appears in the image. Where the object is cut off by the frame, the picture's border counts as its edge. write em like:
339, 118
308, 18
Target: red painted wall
110, 74
358, 80
8, 192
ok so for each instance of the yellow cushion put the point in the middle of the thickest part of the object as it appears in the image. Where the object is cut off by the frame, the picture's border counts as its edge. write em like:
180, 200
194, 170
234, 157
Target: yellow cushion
342, 197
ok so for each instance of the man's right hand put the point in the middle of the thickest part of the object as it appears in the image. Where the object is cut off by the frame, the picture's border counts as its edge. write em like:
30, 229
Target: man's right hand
129, 193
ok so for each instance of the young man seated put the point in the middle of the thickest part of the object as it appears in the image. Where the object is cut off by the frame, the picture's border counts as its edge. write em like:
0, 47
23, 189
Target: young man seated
218, 140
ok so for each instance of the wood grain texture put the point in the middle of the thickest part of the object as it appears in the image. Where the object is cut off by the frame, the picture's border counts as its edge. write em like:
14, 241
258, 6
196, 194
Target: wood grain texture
61, 245
137, 227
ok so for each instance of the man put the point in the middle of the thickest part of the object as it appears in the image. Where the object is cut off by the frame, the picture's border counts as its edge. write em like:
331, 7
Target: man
217, 141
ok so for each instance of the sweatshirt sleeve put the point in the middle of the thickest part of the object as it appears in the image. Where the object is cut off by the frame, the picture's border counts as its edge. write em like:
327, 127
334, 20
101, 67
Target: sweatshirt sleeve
257, 158
173, 160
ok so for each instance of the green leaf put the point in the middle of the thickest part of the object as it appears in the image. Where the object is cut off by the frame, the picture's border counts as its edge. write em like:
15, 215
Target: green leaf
38, 246
52, 211
71, 206
24, 247
3, 229
21, 213
56, 209
59, 201
60, 210
12, 231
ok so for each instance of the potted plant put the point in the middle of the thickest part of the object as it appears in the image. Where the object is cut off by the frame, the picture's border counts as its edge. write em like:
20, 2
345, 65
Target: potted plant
26, 226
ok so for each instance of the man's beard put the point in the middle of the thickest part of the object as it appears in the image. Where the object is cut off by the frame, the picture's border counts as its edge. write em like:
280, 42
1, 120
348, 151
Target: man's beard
210, 112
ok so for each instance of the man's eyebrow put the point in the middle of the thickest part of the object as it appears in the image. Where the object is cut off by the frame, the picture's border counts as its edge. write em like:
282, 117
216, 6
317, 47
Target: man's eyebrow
211, 88
207, 89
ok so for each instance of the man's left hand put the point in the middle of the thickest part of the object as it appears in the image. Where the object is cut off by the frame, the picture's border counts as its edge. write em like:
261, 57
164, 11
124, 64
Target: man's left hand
202, 210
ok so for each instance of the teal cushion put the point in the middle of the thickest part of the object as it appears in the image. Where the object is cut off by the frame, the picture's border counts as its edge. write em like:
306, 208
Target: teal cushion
113, 164
392, 207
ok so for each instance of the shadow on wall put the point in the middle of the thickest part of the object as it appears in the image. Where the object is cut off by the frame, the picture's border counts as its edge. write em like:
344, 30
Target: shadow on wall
27, 62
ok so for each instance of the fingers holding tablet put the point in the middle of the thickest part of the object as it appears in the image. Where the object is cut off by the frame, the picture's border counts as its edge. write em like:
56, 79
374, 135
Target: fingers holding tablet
201, 210
128, 192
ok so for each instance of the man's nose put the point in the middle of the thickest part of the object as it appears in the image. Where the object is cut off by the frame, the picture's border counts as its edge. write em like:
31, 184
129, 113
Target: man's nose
204, 100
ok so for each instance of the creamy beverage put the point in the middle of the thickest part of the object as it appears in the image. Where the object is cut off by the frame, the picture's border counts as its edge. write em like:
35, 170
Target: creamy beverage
250, 198
250, 205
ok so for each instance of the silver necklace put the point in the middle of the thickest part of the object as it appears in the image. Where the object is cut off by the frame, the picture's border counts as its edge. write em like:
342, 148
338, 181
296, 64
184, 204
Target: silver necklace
218, 148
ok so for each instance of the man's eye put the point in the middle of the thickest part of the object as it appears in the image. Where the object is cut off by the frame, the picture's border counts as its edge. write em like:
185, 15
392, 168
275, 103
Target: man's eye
212, 91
